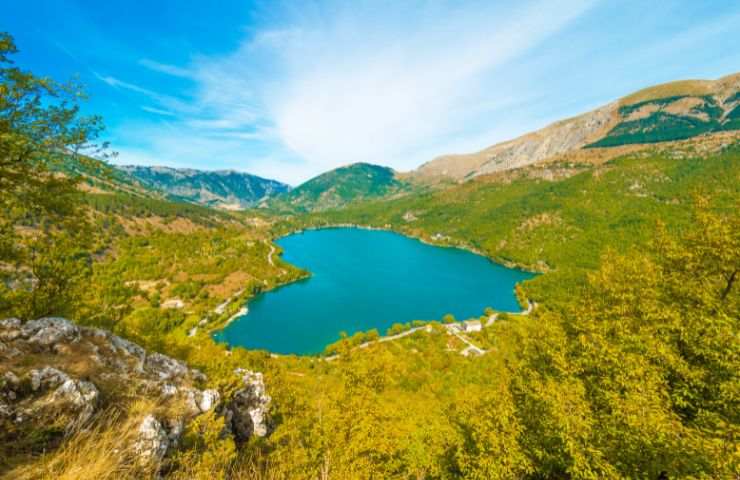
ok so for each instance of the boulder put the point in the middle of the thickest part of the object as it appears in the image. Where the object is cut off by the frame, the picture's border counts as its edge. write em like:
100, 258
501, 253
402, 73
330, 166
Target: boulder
152, 441
46, 332
47, 378
201, 401
79, 396
247, 413
10, 329
164, 367
208, 400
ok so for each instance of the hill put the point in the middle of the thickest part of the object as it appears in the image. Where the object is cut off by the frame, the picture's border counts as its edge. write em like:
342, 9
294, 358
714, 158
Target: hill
340, 187
221, 188
672, 111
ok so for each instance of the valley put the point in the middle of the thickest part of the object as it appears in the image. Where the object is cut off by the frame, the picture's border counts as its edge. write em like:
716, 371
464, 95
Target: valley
367, 280
582, 323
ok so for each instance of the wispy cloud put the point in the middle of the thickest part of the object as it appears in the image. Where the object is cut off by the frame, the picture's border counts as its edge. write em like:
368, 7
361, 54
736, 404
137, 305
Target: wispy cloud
334, 84
173, 70
348, 85
168, 102
157, 111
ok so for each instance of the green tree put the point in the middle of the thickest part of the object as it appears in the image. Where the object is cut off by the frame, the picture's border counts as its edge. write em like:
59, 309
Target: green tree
43, 235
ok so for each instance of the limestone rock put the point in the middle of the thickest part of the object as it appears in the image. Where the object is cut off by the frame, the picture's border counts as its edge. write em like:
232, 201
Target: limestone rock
152, 441
247, 413
164, 367
208, 400
46, 378
67, 371
202, 401
47, 332
10, 329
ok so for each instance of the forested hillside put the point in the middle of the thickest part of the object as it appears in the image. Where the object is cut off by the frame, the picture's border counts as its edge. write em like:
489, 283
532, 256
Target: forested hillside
337, 188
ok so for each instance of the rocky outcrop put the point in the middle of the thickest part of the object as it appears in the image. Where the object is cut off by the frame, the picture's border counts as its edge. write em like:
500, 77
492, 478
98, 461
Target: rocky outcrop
224, 188
247, 413
55, 376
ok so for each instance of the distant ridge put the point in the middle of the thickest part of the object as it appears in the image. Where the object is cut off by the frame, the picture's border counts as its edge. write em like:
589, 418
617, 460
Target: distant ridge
226, 189
671, 111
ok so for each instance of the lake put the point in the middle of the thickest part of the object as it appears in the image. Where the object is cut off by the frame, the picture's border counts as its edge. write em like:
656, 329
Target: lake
364, 279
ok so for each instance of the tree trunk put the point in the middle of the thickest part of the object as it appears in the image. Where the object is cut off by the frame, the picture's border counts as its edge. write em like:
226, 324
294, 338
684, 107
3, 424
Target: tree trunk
730, 281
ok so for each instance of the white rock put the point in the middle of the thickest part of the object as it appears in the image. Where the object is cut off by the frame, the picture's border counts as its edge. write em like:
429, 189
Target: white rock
248, 411
152, 442
47, 377
164, 367
10, 329
78, 392
208, 400
50, 330
168, 390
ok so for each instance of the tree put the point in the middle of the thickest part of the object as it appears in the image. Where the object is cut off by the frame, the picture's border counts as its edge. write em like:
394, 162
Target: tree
42, 232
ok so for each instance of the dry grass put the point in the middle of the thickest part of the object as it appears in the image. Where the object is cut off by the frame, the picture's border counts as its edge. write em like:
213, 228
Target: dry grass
232, 283
672, 89
103, 451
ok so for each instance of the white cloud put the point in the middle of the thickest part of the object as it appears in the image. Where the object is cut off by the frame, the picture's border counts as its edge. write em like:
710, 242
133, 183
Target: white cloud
350, 86
332, 84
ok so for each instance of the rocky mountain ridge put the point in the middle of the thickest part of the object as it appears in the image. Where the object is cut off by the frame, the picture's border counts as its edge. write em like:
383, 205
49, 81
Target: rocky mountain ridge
672, 111
226, 189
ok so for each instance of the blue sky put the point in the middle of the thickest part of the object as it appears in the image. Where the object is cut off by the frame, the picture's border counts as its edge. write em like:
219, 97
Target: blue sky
288, 90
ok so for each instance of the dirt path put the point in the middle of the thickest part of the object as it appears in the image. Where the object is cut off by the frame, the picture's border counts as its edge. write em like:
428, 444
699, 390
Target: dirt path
271, 261
530, 306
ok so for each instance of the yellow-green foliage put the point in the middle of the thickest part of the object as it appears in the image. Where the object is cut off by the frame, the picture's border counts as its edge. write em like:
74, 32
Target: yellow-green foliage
629, 367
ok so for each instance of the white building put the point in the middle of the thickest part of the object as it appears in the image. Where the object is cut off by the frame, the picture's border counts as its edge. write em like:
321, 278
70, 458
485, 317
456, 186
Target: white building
472, 326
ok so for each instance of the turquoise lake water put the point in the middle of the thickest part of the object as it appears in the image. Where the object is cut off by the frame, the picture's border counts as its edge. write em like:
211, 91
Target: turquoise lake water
364, 279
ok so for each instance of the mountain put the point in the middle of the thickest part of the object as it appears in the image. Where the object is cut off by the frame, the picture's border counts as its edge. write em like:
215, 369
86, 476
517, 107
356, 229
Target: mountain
339, 187
671, 111
221, 188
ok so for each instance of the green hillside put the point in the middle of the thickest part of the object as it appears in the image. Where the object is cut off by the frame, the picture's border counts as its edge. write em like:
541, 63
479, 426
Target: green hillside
340, 187
560, 226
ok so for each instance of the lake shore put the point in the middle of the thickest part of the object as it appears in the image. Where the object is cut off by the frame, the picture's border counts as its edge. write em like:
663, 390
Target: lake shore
427, 241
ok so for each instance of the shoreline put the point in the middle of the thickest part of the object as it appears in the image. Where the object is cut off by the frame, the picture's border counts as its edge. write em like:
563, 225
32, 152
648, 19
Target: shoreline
245, 310
467, 248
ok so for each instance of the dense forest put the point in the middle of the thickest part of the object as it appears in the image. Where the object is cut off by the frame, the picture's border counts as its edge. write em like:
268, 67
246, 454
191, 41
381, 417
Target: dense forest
628, 368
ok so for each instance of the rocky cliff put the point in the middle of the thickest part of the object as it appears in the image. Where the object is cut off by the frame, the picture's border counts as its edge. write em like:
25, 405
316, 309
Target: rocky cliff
57, 378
